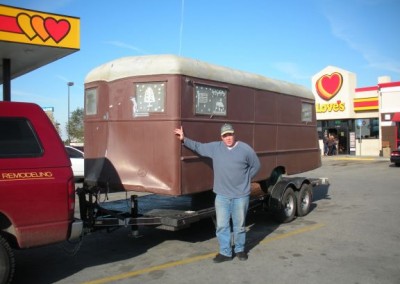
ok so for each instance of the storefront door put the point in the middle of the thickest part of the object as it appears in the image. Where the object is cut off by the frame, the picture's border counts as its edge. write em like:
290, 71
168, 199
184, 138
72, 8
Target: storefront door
342, 137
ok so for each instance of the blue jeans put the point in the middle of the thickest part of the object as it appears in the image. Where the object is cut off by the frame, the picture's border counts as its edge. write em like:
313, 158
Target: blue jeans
227, 208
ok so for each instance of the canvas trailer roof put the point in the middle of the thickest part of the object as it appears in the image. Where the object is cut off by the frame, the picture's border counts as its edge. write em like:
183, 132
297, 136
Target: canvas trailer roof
172, 64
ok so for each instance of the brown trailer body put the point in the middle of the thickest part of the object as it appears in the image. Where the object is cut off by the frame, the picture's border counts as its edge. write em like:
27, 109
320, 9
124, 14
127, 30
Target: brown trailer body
133, 104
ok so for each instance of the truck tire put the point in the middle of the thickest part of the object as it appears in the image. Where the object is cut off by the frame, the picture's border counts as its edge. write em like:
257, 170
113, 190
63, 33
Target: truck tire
287, 210
304, 199
7, 262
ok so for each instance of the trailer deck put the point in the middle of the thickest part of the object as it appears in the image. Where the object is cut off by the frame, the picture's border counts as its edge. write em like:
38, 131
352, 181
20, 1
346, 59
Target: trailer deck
172, 212
166, 212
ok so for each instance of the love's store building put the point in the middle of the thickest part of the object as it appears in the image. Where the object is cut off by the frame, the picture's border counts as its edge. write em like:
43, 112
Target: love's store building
363, 121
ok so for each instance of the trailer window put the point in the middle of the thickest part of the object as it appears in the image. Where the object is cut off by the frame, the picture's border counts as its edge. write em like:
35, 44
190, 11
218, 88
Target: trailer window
18, 139
91, 101
306, 112
210, 100
150, 98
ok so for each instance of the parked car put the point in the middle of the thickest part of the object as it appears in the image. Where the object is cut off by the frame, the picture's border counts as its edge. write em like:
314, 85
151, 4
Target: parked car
395, 157
77, 160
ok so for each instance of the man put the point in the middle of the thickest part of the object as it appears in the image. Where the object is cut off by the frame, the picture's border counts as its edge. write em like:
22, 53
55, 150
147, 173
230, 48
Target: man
235, 163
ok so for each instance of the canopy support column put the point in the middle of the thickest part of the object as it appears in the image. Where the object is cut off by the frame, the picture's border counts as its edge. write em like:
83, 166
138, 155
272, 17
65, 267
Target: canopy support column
6, 79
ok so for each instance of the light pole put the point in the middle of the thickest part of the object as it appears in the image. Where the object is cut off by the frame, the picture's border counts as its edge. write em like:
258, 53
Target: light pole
69, 84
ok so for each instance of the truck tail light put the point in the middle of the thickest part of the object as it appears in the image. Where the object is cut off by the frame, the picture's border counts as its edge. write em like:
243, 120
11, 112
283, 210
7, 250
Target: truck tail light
71, 198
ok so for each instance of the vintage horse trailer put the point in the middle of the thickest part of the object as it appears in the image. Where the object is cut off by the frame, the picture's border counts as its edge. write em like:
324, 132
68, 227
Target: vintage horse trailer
133, 105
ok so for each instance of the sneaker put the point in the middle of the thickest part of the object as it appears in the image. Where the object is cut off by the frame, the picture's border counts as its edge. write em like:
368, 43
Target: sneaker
221, 258
242, 255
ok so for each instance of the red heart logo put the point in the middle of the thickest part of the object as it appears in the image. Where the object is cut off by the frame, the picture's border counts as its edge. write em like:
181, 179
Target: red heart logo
328, 86
57, 29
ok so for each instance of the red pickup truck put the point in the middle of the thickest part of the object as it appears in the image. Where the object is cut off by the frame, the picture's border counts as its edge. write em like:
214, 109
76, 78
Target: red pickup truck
37, 190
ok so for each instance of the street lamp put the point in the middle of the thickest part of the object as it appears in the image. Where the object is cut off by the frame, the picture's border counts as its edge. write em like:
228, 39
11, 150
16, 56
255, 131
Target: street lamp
69, 84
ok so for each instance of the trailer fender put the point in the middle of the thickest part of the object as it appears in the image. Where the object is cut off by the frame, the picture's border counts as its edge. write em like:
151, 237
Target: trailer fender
295, 183
304, 199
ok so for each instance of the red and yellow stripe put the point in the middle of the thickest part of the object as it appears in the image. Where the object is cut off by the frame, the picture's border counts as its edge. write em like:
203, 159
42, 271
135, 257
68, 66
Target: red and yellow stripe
366, 104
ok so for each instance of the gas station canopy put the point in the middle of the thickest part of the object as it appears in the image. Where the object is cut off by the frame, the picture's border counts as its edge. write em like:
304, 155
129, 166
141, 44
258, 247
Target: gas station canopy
31, 39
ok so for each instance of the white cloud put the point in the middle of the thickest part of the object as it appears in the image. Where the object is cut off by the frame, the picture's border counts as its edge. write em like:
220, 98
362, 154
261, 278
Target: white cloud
126, 46
291, 69
22, 96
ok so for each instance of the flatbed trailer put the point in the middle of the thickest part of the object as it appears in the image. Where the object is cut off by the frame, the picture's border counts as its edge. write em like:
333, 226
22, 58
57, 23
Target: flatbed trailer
287, 198
133, 105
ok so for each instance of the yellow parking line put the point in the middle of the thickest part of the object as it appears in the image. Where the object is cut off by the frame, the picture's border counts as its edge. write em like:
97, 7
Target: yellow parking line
356, 159
196, 258
351, 158
292, 233
150, 269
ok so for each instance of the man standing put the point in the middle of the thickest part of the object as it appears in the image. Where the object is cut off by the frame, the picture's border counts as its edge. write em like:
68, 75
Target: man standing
235, 163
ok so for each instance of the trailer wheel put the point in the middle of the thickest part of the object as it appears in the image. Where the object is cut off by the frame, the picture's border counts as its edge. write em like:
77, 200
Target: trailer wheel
287, 209
7, 262
304, 199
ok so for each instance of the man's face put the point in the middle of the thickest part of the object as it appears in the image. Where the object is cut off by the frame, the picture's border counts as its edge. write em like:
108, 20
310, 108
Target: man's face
228, 139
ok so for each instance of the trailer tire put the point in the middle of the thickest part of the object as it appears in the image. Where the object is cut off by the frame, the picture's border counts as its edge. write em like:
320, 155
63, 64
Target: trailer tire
287, 210
304, 199
7, 262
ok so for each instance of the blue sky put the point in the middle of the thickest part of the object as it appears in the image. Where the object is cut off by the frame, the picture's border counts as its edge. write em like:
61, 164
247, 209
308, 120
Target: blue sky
289, 40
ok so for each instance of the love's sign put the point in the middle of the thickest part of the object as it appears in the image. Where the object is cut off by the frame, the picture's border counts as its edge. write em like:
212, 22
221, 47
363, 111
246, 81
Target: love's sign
34, 27
328, 85
44, 28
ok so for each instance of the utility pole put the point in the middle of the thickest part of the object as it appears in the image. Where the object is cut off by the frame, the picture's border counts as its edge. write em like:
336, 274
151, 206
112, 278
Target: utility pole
69, 84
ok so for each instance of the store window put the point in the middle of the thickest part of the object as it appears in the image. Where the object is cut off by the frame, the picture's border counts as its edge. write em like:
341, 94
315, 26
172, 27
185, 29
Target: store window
367, 128
327, 126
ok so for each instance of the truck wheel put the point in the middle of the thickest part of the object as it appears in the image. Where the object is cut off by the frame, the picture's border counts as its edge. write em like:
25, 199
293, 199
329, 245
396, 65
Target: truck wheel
304, 199
7, 262
287, 209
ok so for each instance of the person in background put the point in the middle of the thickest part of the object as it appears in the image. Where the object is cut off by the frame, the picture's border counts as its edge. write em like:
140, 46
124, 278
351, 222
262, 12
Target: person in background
235, 164
331, 145
325, 141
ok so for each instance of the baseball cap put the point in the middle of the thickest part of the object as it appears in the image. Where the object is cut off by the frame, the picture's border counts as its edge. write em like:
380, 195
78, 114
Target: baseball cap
227, 128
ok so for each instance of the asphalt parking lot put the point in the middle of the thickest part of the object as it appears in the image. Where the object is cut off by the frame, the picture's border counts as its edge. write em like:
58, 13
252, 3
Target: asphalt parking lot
351, 235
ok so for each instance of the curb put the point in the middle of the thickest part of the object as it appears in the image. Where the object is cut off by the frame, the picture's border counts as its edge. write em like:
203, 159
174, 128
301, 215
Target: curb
355, 158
